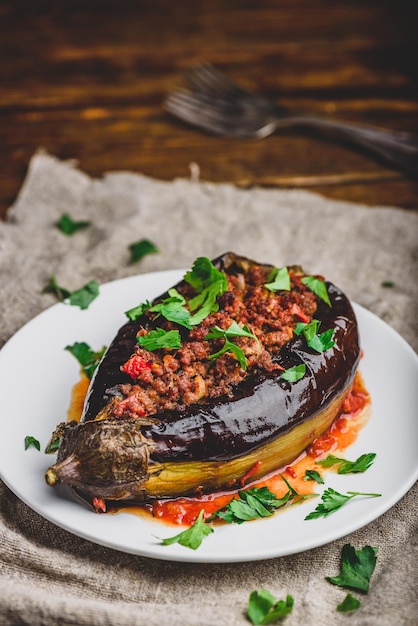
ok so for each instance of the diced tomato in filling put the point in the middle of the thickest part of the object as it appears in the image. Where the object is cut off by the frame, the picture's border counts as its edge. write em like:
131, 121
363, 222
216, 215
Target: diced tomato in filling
131, 405
135, 365
299, 314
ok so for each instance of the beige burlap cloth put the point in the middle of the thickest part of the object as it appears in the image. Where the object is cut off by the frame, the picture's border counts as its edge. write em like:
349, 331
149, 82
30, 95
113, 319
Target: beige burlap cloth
48, 576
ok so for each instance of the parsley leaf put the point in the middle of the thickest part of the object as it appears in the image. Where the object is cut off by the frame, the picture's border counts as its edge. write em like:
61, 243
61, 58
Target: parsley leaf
84, 297
193, 536
295, 373
254, 503
314, 475
203, 274
250, 504
68, 226
87, 358
318, 286
173, 309
324, 341
137, 311
53, 445
205, 303
307, 330
31, 442
52, 287
208, 283
357, 566
55, 439
160, 338
280, 280
350, 603
233, 331
140, 249
229, 346
80, 297
349, 467
264, 608
332, 501
319, 343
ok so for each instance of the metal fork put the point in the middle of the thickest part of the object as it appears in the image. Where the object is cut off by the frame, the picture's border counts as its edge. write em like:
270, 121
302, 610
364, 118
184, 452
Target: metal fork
219, 106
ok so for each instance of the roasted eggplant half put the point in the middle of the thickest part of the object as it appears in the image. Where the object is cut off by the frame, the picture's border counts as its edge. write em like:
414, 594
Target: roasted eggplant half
234, 371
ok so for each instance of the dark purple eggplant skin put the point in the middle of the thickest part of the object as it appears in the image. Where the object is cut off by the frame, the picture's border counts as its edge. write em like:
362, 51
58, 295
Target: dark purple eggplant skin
264, 406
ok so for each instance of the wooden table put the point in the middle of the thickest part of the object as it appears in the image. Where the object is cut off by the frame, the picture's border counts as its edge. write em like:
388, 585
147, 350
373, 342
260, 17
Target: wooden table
86, 81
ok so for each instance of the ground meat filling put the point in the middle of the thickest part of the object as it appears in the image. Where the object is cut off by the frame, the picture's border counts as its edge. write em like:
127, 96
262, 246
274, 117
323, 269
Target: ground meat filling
167, 379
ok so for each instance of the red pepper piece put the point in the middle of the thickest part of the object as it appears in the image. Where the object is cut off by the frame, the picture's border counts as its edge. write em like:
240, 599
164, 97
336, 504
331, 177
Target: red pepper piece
99, 505
299, 314
291, 471
249, 473
135, 365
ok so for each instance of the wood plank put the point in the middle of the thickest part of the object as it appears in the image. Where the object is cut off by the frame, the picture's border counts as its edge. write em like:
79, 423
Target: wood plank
87, 81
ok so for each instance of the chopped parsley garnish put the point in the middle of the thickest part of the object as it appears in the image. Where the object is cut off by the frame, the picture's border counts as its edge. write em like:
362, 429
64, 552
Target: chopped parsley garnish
279, 280
350, 603
208, 283
191, 537
88, 358
357, 567
52, 287
295, 373
349, 467
31, 442
256, 502
139, 310
82, 297
251, 504
68, 226
387, 284
173, 309
264, 608
332, 501
203, 274
319, 343
53, 445
140, 249
160, 338
234, 330
318, 286
313, 475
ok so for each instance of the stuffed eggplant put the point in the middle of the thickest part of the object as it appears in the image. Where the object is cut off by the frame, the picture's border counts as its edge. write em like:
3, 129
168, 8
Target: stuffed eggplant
232, 373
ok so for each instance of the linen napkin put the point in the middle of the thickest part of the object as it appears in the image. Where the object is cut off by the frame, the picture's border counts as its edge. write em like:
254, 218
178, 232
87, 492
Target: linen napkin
47, 575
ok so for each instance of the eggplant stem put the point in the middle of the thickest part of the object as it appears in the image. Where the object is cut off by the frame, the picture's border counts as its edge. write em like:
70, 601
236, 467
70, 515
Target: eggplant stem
51, 477
63, 471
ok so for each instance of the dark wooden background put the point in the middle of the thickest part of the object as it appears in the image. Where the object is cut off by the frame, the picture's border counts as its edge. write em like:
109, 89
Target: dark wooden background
86, 79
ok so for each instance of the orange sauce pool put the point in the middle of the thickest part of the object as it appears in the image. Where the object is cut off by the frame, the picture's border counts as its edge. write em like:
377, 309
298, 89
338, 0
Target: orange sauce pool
353, 415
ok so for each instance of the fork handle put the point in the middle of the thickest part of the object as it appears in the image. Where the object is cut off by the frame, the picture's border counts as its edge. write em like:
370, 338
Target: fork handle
400, 149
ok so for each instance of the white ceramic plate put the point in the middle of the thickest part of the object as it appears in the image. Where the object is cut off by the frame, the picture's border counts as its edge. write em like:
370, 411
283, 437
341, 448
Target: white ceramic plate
36, 377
